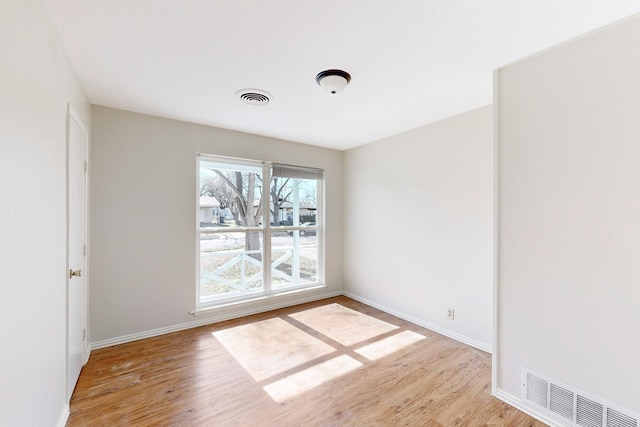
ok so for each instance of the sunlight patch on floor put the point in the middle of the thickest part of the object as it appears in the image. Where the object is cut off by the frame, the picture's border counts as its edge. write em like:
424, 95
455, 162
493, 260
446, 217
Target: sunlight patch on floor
290, 360
310, 378
272, 346
342, 324
389, 345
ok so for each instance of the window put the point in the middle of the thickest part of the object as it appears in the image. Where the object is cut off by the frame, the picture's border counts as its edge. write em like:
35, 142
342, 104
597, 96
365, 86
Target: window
260, 229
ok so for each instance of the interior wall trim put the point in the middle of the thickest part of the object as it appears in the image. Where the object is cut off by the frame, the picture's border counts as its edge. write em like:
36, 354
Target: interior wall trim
435, 328
288, 303
517, 403
212, 319
64, 416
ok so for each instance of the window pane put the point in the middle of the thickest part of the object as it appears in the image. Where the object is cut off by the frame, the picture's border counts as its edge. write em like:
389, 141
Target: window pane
294, 258
293, 201
227, 267
230, 259
230, 194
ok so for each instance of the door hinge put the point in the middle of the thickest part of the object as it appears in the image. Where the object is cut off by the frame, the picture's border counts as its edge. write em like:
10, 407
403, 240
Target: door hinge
85, 166
84, 335
84, 250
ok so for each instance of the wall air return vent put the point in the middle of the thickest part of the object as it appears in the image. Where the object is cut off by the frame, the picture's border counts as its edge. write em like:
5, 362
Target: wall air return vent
561, 401
617, 419
589, 413
537, 390
571, 406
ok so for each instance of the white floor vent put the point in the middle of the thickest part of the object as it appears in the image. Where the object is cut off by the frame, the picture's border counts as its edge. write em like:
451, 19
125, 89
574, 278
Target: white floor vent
571, 406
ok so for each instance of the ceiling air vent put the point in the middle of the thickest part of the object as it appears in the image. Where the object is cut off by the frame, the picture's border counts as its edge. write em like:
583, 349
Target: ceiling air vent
253, 96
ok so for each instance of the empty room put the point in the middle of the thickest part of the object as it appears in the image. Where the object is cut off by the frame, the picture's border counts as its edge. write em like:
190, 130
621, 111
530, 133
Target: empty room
301, 213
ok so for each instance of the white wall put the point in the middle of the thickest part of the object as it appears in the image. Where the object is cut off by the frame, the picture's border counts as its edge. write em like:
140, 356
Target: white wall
143, 218
569, 233
36, 84
419, 227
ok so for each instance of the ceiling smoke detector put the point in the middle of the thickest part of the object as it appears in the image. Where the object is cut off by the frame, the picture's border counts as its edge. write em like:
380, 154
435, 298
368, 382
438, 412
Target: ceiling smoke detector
253, 96
333, 81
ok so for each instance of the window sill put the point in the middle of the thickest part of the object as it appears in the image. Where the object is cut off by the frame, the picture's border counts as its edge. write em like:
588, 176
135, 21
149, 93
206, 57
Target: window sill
214, 307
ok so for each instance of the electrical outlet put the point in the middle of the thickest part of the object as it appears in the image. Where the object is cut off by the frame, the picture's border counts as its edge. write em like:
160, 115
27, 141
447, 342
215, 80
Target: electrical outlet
450, 313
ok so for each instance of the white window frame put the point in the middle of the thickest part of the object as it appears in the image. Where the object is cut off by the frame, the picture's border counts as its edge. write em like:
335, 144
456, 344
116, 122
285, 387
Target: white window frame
266, 229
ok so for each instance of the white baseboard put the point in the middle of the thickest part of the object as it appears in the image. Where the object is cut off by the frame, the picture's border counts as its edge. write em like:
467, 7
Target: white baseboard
435, 328
286, 303
86, 353
517, 403
62, 421
212, 318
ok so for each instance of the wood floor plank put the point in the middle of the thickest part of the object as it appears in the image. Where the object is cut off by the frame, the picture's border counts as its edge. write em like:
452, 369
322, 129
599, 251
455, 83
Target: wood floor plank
190, 378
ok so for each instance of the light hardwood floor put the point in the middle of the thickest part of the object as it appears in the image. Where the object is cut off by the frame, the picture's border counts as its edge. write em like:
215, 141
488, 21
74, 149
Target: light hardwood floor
334, 362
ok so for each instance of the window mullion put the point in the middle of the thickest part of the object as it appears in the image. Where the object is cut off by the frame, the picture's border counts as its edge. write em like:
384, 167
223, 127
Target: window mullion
295, 271
266, 219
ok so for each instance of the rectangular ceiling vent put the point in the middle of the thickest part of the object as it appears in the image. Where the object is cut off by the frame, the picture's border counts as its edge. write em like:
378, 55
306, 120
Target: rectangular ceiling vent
571, 406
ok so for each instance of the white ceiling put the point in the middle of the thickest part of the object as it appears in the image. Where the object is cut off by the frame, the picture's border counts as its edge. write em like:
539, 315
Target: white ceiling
412, 61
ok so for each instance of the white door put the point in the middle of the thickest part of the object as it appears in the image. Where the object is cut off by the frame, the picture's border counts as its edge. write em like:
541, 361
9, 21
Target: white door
76, 274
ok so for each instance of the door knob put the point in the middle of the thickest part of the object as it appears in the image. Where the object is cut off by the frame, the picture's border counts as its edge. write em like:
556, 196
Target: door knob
77, 273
